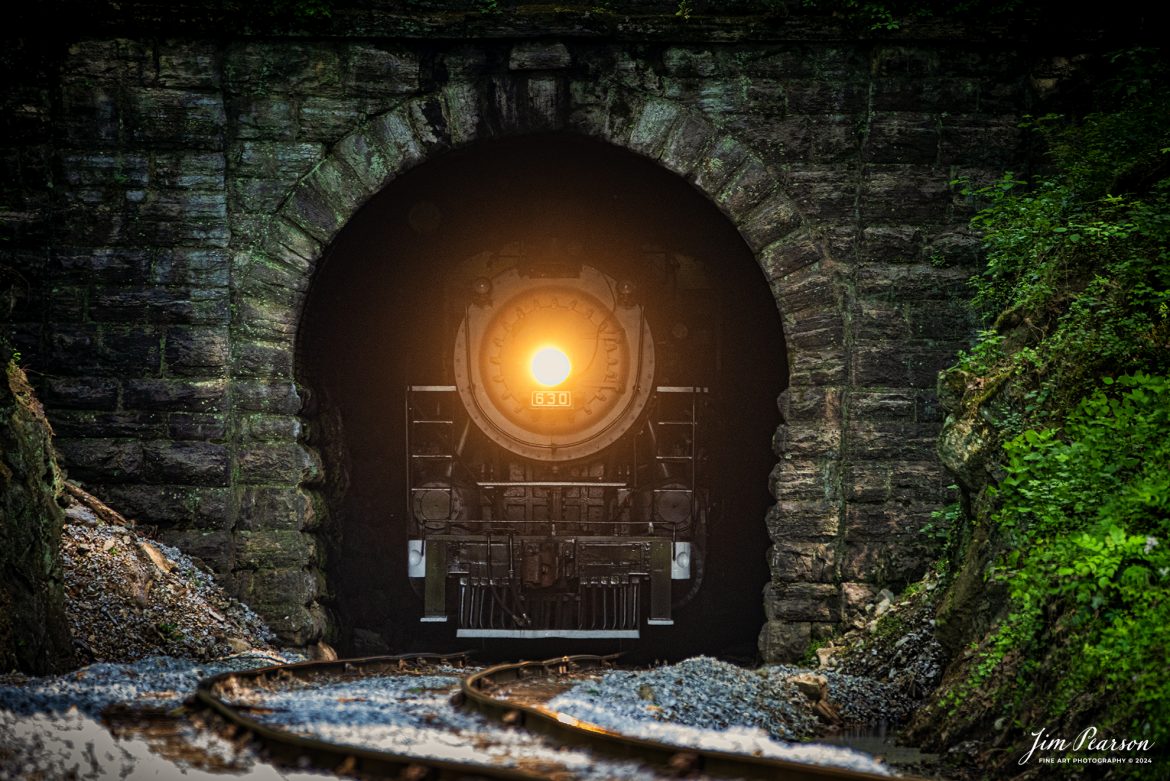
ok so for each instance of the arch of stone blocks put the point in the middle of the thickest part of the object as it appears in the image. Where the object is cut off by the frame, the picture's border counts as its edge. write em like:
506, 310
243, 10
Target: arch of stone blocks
272, 275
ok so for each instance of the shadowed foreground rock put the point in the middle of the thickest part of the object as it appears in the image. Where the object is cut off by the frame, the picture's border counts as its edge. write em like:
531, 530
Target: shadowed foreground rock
34, 636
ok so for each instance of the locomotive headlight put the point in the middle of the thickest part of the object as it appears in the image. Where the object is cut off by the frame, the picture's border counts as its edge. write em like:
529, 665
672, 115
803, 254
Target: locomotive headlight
550, 366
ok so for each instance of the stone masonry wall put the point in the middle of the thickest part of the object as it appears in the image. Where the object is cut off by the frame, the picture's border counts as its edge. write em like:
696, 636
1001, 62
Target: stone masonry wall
165, 201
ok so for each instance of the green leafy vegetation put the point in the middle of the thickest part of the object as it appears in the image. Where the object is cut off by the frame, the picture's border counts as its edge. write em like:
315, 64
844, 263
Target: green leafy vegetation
1076, 361
1078, 262
1085, 513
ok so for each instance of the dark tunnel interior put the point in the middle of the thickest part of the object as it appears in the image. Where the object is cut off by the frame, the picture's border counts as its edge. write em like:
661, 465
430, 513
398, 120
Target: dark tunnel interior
374, 323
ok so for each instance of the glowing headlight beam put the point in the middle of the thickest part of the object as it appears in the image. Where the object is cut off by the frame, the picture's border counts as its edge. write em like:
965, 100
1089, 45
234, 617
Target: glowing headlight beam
550, 366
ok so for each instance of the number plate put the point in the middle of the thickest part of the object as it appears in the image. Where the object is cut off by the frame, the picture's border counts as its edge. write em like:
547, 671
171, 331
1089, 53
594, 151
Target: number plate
552, 398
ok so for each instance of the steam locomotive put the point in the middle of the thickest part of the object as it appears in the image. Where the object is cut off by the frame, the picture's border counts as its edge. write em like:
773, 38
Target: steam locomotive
557, 464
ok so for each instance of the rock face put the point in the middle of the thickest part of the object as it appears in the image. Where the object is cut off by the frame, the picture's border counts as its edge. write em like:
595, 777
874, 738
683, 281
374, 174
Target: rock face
176, 193
34, 635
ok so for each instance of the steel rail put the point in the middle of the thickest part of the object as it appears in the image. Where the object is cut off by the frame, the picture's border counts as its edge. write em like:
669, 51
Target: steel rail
674, 759
300, 751
476, 692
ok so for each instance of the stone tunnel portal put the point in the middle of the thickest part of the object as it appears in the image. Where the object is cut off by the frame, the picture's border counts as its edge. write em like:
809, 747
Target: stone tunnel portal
386, 304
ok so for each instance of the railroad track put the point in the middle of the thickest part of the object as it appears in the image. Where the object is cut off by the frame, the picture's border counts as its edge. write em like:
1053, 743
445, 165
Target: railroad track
504, 692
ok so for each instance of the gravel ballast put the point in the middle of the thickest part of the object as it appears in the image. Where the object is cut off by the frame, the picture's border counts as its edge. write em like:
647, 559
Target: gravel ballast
706, 703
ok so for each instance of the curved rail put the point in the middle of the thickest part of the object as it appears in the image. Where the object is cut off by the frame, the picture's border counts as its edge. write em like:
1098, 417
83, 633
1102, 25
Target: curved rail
477, 689
300, 751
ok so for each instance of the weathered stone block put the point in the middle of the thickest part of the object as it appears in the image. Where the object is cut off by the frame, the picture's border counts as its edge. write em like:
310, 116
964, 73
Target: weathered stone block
903, 193
855, 596
327, 118
891, 243
73, 349
887, 404
161, 305
724, 158
188, 64
892, 560
188, 170
102, 460
887, 520
772, 221
276, 587
900, 440
314, 212
80, 392
295, 624
430, 125
826, 96
269, 279
196, 351
90, 115
684, 148
256, 195
918, 282
902, 138
816, 334
539, 55
802, 602
815, 518
197, 268
784, 641
802, 562
807, 440
825, 193
652, 126
175, 395
262, 359
274, 548
822, 367
267, 396
133, 350
461, 102
104, 265
545, 103
105, 170
172, 507
807, 404
379, 71
939, 94
192, 119
985, 142
956, 246
393, 132
277, 508
284, 463
263, 66
186, 463
795, 479
911, 365
196, 426
809, 287
82, 424
369, 161
289, 244
214, 548
271, 428
263, 116
261, 319
747, 189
